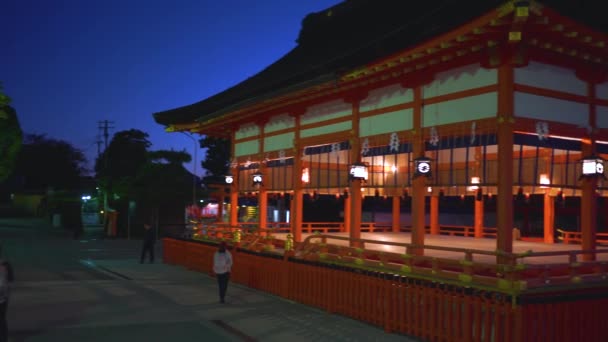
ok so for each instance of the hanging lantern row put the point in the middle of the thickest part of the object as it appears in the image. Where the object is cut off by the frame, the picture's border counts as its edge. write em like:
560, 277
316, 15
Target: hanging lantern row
257, 179
591, 167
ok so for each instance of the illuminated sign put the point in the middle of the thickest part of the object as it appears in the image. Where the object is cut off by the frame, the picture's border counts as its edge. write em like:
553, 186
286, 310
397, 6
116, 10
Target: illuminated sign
257, 178
592, 167
358, 171
422, 167
229, 179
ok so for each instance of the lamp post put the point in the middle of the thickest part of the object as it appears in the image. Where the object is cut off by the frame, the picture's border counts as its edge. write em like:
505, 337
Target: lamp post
193, 167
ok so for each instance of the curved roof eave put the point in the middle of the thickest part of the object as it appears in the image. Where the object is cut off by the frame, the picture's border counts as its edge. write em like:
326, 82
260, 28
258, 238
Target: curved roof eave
334, 41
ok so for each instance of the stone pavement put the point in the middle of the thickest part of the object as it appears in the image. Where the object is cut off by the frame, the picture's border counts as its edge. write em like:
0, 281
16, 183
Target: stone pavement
158, 302
106, 295
249, 315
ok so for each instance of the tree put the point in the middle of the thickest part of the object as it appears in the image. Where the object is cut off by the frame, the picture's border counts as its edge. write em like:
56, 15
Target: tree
46, 162
217, 157
117, 167
163, 181
4, 102
11, 138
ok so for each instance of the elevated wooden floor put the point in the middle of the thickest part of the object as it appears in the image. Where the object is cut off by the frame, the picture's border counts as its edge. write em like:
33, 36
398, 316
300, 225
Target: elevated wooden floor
469, 243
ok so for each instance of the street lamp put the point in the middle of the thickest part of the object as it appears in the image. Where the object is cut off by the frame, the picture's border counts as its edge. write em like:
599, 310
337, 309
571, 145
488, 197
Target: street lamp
193, 167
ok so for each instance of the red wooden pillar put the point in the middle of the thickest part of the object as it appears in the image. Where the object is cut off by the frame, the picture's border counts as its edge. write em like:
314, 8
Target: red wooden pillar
419, 183
347, 210
589, 185
588, 206
355, 157
295, 219
297, 208
262, 193
396, 214
504, 197
234, 187
262, 207
478, 216
355, 212
434, 214
548, 217
234, 205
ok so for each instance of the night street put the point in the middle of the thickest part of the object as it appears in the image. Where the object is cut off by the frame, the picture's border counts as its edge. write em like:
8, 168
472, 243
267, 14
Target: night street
94, 289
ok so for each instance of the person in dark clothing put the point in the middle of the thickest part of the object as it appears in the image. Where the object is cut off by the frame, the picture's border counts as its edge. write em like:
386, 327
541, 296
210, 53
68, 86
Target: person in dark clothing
6, 277
149, 240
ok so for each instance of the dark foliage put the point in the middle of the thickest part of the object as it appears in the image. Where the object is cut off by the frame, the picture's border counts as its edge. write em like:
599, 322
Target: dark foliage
217, 157
46, 162
124, 156
11, 137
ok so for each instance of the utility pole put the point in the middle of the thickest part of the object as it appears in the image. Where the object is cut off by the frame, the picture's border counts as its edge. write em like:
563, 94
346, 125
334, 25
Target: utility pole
104, 126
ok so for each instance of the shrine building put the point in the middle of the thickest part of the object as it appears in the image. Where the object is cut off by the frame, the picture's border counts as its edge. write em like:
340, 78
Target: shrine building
416, 99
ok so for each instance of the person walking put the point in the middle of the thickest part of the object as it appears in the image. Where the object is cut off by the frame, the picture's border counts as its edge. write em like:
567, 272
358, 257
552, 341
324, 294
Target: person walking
148, 247
222, 263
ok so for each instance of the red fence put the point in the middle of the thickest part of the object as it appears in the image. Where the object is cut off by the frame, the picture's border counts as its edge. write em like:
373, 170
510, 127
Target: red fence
423, 308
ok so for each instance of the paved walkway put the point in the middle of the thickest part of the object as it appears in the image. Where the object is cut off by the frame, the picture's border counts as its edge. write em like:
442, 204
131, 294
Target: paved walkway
96, 290
158, 302
248, 314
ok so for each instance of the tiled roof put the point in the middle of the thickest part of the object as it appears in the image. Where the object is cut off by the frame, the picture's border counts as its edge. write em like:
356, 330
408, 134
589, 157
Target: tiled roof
352, 34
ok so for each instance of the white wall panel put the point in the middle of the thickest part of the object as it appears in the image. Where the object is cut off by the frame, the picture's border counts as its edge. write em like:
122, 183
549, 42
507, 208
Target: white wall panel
247, 148
247, 130
279, 122
400, 120
467, 77
279, 142
326, 111
550, 77
551, 109
385, 97
464, 109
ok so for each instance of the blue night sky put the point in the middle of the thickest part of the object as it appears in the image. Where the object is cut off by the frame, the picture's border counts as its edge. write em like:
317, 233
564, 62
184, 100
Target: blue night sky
68, 64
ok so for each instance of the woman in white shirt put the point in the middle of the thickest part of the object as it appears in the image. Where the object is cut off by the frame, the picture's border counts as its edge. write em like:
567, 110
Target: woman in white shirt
222, 262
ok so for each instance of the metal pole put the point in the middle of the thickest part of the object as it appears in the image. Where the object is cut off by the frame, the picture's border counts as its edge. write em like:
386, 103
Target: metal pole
193, 168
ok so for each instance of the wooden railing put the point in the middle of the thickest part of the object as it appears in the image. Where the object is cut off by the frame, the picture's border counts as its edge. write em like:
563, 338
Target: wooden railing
577, 237
410, 304
332, 227
515, 272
